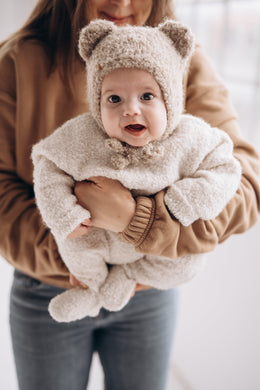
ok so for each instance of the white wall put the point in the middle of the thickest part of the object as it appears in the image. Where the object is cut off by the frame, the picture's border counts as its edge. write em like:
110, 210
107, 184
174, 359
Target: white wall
218, 343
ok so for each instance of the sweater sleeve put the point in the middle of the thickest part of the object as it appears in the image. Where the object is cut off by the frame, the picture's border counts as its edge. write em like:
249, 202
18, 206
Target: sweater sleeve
25, 241
206, 97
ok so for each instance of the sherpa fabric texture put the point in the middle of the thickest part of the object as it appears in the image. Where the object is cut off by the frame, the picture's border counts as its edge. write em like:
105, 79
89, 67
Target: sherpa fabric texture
192, 161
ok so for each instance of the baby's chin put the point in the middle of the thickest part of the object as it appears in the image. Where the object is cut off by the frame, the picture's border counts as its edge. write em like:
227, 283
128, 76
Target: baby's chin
135, 140
136, 143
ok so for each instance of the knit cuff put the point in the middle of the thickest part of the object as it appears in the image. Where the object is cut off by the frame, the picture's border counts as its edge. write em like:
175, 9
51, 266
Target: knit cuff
139, 227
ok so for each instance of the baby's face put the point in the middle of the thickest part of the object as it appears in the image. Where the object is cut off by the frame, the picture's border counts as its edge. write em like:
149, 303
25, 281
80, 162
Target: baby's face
132, 107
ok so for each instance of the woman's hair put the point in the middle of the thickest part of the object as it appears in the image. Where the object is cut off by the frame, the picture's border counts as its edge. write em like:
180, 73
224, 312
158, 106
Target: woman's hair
56, 25
161, 10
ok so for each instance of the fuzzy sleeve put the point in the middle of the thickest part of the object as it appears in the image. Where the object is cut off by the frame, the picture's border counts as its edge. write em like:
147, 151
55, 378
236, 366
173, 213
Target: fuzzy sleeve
55, 198
213, 176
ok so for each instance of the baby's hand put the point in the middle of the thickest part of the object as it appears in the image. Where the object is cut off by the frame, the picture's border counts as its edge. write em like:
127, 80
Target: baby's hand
80, 230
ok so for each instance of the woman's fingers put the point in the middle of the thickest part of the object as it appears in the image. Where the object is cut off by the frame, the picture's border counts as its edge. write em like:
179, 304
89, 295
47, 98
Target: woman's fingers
140, 287
79, 231
76, 283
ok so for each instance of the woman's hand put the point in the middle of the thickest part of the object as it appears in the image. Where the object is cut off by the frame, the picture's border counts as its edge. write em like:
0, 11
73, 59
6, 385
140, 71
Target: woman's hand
110, 204
76, 283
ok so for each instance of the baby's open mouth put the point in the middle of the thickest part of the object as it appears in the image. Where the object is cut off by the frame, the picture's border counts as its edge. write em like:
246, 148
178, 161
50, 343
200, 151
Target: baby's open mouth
135, 128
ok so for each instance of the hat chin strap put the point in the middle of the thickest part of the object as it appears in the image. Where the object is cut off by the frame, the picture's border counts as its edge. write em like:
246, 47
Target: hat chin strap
124, 155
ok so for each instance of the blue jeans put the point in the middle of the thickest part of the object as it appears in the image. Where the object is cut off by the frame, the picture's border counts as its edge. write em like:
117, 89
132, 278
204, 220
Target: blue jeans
134, 344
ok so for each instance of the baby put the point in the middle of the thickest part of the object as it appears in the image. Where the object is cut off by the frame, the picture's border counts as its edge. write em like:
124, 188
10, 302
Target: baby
136, 133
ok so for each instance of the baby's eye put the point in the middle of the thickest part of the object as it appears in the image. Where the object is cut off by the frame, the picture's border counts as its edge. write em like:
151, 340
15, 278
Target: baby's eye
114, 99
147, 96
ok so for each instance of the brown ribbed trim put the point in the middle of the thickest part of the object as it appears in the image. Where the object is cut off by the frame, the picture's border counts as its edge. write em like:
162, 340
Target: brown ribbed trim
140, 225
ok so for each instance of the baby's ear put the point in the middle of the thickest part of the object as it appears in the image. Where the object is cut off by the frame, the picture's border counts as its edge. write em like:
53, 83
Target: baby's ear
181, 36
92, 34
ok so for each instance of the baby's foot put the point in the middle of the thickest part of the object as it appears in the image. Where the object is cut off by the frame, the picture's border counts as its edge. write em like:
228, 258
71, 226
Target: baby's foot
117, 289
74, 304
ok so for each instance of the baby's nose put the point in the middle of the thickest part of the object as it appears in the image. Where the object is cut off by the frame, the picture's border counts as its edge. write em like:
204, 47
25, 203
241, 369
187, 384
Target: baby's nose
131, 108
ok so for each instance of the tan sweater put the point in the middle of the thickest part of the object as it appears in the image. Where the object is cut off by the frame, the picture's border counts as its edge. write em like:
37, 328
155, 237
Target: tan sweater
33, 104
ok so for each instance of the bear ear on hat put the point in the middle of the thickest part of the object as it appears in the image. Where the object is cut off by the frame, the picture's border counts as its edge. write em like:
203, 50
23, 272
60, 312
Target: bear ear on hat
181, 36
92, 34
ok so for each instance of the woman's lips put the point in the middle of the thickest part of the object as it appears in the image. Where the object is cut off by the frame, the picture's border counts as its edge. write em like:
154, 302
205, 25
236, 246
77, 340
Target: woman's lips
115, 19
135, 129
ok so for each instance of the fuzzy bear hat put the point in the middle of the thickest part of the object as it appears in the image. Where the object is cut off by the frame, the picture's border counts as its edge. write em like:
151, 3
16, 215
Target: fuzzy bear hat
163, 51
